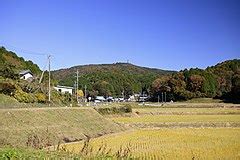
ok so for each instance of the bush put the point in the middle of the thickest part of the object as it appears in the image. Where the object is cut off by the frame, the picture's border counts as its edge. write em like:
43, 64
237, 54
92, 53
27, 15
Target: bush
24, 97
28, 87
59, 98
7, 88
115, 110
127, 108
56, 97
41, 98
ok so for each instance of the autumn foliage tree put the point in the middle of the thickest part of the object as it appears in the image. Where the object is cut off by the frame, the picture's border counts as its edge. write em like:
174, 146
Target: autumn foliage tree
220, 81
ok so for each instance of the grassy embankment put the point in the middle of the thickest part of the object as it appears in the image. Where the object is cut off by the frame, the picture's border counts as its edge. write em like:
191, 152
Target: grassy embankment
9, 102
49, 126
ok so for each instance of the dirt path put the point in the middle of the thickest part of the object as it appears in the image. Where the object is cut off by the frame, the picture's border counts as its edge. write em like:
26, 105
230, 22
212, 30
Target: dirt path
43, 108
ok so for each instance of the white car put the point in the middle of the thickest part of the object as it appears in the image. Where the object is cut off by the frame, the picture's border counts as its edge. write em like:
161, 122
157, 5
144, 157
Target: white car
97, 101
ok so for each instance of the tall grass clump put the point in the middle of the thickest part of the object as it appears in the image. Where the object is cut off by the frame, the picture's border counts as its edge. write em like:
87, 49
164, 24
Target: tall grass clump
114, 110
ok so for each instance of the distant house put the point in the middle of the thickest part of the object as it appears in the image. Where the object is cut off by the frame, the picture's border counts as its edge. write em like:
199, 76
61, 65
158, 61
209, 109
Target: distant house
26, 75
64, 89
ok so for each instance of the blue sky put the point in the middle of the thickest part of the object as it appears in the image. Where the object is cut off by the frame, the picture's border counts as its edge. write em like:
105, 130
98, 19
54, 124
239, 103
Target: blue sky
165, 34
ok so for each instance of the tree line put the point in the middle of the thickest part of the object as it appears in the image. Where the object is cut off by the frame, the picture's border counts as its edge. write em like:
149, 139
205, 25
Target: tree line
220, 81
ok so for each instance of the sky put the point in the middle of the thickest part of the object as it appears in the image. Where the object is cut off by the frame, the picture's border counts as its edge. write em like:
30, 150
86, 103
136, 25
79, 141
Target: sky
164, 34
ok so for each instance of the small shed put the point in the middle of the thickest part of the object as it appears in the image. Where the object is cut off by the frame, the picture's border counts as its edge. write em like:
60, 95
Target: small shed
64, 89
26, 75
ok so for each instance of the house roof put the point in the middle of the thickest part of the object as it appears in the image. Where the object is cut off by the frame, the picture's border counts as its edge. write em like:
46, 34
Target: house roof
67, 87
25, 72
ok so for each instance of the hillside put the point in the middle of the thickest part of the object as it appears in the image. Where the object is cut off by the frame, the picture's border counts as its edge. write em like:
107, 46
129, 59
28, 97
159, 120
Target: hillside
115, 67
11, 86
112, 78
11, 64
219, 81
51, 125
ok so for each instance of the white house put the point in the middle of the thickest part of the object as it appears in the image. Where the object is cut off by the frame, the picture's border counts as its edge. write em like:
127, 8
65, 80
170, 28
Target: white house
26, 75
64, 89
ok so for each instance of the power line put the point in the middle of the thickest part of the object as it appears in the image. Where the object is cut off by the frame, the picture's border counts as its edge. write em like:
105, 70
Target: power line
25, 51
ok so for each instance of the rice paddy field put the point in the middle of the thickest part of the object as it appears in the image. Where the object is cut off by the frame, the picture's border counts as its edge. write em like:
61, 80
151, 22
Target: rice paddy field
178, 143
178, 118
173, 133
184, 111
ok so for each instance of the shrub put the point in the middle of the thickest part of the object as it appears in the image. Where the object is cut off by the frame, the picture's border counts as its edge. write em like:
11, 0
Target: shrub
127, 108
67, 97
24, 97
7, 88
27, 87
41, 98
115, 110
56, 97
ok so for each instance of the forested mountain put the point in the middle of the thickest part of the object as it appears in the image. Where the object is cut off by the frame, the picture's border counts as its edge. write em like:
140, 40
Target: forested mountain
219, 81
111, 79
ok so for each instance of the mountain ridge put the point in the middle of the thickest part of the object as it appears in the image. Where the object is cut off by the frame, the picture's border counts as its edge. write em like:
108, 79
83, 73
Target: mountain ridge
116, 77
83, 69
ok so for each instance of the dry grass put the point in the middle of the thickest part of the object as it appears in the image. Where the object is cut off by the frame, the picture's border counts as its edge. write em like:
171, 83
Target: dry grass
67, 124
7, 101
204, 100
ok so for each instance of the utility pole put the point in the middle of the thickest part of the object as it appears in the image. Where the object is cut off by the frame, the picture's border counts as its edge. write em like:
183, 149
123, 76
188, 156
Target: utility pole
162, 97
49, 79
165, 97
77, 86
85, 93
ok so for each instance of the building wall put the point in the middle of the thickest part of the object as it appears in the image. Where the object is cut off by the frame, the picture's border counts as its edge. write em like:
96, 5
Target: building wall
64, 90
26, 76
